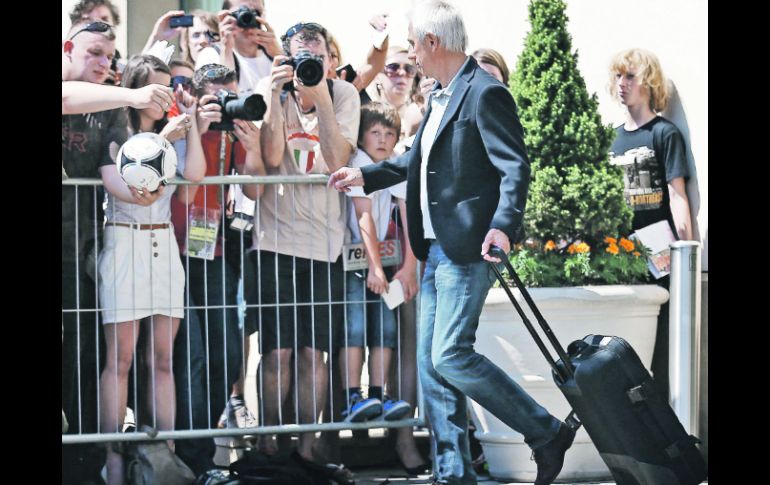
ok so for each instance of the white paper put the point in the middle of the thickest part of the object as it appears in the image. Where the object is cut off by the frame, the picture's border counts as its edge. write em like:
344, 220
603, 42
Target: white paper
378, 37
657, 237
356, 191
395, 294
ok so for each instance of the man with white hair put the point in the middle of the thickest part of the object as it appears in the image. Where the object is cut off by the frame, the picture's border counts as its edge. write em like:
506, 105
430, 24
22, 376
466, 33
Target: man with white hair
467, 179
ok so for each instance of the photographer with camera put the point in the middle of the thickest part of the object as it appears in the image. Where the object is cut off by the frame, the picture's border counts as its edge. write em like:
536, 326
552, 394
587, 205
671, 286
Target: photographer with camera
212, 274
249, 43
310, 127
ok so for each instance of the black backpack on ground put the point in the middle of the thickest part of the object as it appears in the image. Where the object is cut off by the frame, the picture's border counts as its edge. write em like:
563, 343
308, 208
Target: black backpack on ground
258, 469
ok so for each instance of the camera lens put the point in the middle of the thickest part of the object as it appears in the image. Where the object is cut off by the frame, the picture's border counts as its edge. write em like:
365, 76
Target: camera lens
246, 18
249, 108
309, 70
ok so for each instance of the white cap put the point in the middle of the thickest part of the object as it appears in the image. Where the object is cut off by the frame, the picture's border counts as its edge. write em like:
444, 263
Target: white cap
162, 50
209, 55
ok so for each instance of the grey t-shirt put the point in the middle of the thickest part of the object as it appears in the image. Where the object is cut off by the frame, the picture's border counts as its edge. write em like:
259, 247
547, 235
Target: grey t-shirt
303, 220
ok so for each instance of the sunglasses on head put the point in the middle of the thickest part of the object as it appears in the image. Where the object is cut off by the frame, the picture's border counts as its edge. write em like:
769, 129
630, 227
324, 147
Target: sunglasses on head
309, 26
213, 73
185, 81
212, 36
94, 27
393, 68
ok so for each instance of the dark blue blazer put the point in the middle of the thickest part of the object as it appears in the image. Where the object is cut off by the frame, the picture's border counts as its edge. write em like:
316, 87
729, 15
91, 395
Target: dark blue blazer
478, 171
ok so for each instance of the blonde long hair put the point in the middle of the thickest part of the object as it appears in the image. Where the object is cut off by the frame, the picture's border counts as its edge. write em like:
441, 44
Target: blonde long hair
649, 74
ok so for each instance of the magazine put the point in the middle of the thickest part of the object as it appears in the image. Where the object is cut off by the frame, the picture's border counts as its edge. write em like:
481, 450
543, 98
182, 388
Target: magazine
657, 238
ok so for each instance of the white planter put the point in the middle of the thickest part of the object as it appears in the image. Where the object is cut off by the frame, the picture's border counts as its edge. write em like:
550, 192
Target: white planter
629, 312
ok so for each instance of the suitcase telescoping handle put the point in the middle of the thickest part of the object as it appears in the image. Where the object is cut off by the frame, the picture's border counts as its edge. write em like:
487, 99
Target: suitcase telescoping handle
496, 252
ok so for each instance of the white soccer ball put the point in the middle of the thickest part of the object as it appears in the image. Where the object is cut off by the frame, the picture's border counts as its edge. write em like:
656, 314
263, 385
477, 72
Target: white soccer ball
146, 160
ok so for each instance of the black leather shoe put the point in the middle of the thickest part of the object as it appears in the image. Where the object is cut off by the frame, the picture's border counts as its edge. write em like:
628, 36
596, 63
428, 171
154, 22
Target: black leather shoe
550, 458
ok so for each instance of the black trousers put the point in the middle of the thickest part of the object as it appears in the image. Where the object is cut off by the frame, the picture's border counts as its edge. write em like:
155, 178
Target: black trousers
80, 371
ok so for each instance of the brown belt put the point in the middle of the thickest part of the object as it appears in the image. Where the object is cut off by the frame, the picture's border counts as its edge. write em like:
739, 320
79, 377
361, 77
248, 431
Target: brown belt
141, 227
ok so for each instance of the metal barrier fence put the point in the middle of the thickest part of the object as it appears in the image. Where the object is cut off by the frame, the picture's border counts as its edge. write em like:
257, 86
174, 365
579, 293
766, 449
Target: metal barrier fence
130, 270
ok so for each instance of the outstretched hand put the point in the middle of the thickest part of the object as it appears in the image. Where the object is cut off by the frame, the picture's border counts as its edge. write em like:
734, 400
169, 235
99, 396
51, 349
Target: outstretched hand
344, 178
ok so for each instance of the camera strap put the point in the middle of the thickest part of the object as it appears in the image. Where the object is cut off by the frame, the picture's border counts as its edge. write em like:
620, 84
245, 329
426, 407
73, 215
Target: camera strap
222, 156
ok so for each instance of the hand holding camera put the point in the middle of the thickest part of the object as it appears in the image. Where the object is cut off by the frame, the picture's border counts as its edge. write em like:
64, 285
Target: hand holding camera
308, 69
163, 30
282, 73
209, 111
267, 39
248, 133
226, 29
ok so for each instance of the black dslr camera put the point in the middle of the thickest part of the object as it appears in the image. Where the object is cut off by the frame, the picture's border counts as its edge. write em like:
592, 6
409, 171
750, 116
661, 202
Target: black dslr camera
309, 69
250, 108
246, 18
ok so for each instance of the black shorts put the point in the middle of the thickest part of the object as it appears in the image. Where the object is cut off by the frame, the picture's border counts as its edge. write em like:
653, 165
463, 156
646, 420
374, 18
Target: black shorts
251, 292
297, 285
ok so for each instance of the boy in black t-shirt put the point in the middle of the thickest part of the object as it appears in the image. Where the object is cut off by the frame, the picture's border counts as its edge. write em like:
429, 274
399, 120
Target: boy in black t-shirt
651, 151
648, 147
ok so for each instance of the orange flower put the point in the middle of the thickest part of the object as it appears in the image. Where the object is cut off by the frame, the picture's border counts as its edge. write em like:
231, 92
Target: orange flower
612, 249
583, 248
636, 253
626, 244
572, 249
610, 240
550, 246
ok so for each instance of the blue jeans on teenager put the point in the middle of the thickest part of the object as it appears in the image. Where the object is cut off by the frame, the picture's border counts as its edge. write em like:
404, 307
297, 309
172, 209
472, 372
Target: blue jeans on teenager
450, 369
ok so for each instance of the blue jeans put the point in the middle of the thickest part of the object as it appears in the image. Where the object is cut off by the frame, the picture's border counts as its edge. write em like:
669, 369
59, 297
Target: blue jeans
371, 323
450, 369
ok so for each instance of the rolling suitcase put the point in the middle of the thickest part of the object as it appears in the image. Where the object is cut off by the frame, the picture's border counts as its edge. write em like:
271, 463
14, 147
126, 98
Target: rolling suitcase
635, 430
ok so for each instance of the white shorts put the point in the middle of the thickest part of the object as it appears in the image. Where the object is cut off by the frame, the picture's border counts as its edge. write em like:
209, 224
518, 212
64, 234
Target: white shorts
140, 274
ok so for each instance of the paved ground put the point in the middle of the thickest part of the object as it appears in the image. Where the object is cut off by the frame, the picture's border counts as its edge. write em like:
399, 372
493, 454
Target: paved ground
385, 476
